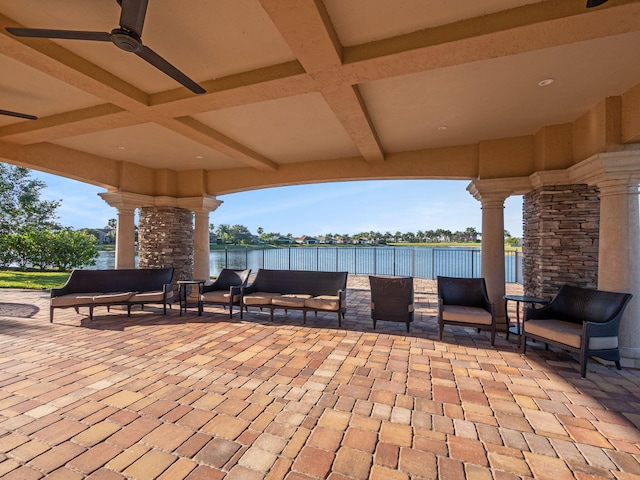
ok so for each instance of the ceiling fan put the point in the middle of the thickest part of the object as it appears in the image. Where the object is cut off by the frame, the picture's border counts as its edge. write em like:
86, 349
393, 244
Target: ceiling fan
127, 38
595, 3
18, 114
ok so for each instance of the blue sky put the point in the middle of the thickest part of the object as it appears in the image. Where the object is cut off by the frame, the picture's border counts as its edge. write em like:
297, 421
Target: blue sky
343, 207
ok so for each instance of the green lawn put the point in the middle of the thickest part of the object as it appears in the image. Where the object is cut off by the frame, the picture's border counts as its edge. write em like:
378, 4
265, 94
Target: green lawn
32, 280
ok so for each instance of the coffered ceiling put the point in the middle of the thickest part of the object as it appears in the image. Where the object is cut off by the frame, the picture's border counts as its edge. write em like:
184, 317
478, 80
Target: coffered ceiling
297, 85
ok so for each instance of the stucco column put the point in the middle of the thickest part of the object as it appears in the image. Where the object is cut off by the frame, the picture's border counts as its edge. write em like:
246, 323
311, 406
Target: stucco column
617, 175
493, 252
201, 269
619, 251
125, 228
201, 207
125, 238
492, 194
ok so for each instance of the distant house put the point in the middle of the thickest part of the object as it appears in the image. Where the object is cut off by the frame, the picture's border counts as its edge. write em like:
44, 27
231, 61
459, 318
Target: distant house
285, 240
305, 240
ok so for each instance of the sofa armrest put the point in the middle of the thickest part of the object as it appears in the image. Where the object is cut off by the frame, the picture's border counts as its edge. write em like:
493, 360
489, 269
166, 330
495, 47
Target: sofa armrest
602, 329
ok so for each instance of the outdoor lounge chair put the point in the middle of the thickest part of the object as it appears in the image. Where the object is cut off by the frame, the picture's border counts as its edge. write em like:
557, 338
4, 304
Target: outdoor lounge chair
464, 302
225, 290
391, 299
580, 320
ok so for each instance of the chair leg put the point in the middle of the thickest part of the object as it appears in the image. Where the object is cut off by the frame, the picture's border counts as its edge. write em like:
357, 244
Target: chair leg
408, 324
618, 364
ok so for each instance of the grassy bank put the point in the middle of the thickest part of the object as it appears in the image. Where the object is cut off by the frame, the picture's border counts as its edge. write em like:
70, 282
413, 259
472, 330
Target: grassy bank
32, 280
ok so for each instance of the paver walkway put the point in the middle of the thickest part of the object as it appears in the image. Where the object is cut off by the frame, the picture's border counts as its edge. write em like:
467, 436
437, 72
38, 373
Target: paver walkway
209, 398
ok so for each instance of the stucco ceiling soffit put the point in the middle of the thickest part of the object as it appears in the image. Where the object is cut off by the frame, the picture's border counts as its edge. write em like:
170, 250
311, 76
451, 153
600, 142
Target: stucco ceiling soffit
350, 110
511, 32
76, 122
52, 59
63, 161
200, 132
278, 81
306, 27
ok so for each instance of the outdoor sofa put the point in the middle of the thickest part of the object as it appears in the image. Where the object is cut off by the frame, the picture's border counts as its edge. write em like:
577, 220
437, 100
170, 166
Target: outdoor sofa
581, 320
93, 288
297, 290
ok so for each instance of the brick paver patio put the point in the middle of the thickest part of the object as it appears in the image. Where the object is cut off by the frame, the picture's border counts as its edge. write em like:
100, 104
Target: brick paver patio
208, 398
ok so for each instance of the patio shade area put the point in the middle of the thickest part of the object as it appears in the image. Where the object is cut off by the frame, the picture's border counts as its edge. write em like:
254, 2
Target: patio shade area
173, 397
301, 91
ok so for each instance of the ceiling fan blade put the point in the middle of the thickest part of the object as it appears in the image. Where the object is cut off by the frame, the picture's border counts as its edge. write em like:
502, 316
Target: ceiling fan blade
63, 34
132, 16
595, 3
17, 114
161, 64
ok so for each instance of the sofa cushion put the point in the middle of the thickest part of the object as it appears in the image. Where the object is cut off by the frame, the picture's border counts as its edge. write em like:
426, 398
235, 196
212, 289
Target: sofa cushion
259, 298
323, 302
567, 333
464, 314
73, 299
219, 296
156, 296
293, 300
115, 297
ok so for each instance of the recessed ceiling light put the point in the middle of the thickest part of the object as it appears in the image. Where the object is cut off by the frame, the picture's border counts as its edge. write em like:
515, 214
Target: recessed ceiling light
120, 147
442, 128
199, 157
545, 82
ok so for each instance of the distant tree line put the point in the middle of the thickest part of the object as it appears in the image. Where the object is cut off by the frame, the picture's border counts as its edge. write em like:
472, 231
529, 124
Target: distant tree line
29, 235
240, 235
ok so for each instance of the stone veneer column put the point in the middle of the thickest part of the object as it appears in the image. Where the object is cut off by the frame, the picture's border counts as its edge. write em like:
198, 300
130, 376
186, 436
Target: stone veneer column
165, 239
560, 246
620, 249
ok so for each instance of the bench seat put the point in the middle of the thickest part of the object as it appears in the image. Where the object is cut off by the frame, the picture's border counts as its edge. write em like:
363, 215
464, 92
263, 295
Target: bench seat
92, 288
297, 290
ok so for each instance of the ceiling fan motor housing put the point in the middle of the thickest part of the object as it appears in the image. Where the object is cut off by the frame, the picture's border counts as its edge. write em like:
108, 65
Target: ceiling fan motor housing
126, 40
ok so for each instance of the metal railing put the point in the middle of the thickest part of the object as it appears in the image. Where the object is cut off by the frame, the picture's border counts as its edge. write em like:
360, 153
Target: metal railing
419, 262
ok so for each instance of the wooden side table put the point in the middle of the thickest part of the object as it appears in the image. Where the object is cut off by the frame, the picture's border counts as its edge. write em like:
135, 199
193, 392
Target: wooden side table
517, 328
183, 293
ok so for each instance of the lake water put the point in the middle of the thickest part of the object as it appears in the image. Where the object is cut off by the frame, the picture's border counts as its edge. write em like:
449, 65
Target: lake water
419, 262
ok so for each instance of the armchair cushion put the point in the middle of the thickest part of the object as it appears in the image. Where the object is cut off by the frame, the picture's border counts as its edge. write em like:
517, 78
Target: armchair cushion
464, 314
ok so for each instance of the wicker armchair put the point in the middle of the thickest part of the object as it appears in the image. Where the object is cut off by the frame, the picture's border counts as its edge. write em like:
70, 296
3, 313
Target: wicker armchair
464, 302
225, 290
391, 299
580, 320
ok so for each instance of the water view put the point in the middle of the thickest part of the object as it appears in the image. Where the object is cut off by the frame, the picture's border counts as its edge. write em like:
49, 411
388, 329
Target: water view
419, 262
